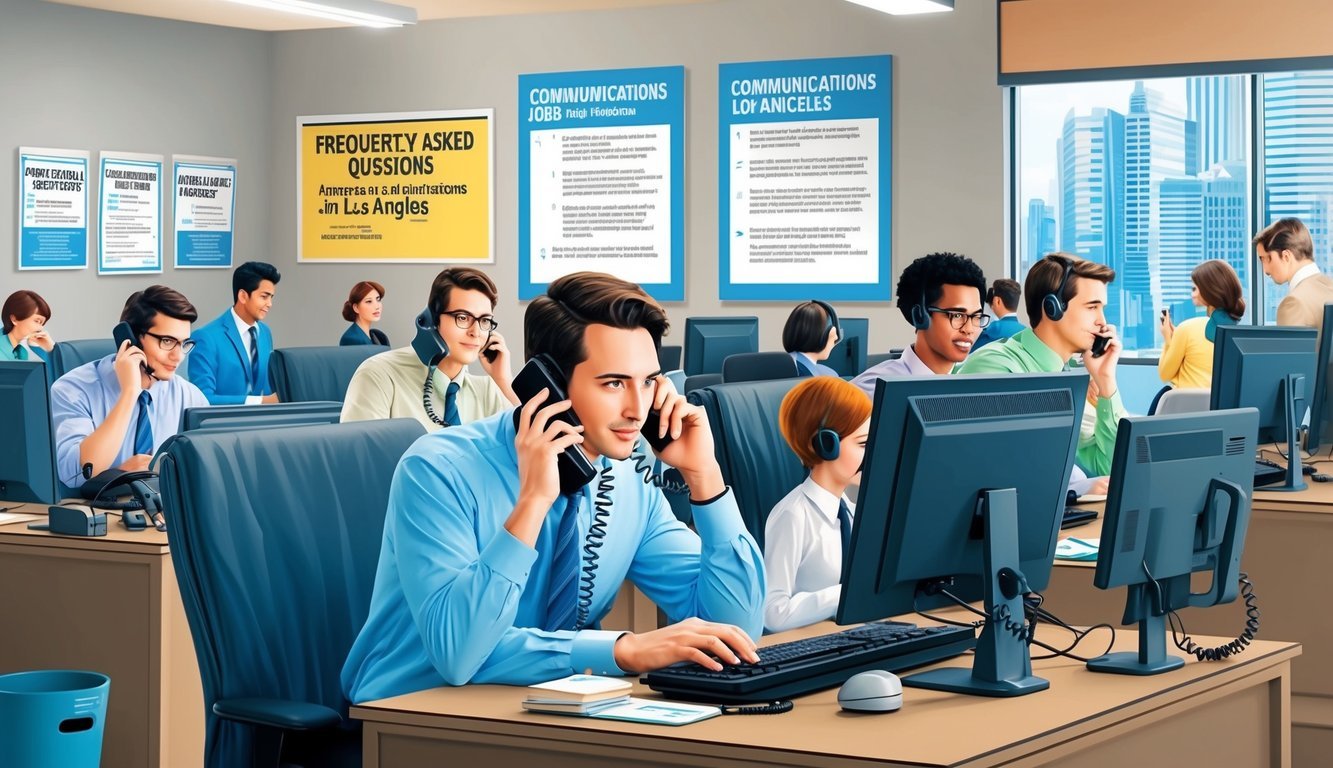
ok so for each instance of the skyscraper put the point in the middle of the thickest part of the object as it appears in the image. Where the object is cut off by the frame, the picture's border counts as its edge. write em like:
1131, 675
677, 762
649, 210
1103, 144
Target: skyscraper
1039, 238
1092, 198
1202, 218
1217, 105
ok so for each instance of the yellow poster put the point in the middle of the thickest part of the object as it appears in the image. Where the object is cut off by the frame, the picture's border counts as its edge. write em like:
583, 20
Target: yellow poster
407, 187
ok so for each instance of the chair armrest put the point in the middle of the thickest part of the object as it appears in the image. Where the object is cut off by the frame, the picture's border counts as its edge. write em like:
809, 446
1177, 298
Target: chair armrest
277, 713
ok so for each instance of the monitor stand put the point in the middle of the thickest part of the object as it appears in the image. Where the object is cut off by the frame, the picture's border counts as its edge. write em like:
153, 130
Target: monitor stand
1151, 658
1291, 392
1002, 665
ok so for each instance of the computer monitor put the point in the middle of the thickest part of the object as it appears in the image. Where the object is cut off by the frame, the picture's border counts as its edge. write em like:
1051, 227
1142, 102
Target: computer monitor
236, 417
1271, 369
27, 452
964, 476
1178, 503
709, 340
1321, 410
848, 357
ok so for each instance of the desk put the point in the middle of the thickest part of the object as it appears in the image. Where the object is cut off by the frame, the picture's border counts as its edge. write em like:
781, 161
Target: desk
1084, 719
1287, 554
108, 604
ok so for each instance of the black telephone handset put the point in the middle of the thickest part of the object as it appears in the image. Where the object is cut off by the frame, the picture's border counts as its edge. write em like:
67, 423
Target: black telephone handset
143, 510
489, 353
1099, 345
430, 348
123, 333
540, 373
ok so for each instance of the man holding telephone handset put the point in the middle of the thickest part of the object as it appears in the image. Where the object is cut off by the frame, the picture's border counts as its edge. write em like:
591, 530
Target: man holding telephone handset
497, 563
116, 411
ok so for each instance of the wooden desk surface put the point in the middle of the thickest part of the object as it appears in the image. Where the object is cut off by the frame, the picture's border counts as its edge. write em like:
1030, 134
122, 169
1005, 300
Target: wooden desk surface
149, 541
926, 731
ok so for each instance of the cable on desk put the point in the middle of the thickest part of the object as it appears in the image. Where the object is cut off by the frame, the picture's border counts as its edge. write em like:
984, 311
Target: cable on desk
1185, 643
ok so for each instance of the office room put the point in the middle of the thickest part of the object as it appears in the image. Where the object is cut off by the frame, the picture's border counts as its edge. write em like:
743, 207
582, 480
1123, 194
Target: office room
263, 572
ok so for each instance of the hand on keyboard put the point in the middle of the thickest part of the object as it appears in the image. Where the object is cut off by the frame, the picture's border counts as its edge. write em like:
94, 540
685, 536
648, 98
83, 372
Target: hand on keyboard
696, 640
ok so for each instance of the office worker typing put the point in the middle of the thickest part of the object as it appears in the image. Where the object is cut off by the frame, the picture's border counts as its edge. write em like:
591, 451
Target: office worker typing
230, 365
400, 384
481, 565
826, 421
116, 411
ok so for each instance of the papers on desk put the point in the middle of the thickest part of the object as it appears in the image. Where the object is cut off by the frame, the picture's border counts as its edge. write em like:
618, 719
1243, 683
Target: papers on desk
1089, 498
632, 710
1077, 549
6, 518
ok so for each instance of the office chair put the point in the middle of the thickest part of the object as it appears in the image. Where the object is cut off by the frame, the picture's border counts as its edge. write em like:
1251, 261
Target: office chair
701, 380
302, 374
1182, 401
69, 355
754, 457
758, 366
669, 357
874, 360
275, 537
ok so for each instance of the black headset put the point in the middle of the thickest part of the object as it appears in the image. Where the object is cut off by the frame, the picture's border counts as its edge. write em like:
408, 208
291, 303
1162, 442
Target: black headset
832, 319
826, 443
1053, 304
919, 316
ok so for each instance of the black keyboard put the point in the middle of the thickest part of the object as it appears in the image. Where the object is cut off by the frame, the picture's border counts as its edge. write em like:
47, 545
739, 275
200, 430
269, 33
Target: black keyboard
1076, 516
815, 663
1268, 473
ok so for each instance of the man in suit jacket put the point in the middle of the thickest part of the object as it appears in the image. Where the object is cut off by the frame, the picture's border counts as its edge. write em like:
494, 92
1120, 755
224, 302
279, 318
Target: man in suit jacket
1286, 252
1003, 299
230, 360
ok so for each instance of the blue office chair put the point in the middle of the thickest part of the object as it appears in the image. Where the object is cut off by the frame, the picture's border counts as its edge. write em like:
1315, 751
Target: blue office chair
754, 457
759, 366
69, 355
275, 537
701, 380
669, 357
302, 374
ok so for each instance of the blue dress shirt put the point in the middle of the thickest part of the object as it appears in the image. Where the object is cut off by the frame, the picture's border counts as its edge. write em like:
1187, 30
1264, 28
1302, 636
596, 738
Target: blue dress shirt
82, 398
1002, 328
354, 336
458, 599
809, 367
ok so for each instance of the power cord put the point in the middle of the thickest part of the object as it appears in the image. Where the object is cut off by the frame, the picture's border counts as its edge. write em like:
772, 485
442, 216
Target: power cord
1036, 612
1234, 648
772, 708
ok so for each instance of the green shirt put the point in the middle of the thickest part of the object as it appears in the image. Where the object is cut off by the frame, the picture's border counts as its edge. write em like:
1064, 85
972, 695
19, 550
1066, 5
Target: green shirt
1025, 353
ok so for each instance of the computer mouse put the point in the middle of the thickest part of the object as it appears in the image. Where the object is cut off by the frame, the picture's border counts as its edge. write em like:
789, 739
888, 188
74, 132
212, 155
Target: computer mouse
872, 691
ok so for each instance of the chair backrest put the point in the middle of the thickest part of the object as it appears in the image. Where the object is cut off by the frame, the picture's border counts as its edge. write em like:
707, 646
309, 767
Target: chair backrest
301, 374
69, 355
275, 537
669, 357
701, 380
874, 360
677, 379
1183, 401
754, 457
759, 366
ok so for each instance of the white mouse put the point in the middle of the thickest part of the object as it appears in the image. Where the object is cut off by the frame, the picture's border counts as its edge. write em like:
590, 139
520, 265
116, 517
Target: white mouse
872, 691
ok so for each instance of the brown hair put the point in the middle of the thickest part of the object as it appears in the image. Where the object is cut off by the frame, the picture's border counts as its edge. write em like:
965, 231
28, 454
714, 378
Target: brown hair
23, 305
359, 292
1044, 278
1287, 234
143, 306
1219, 287
554, 323
1007, 291
823, 402
463, 278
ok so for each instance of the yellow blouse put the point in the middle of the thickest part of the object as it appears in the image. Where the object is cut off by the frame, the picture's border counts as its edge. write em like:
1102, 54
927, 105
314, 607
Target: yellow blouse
1187, 360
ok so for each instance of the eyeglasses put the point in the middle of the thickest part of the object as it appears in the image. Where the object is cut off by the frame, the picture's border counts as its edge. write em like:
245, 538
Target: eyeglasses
959, 320
168, 343
464, 319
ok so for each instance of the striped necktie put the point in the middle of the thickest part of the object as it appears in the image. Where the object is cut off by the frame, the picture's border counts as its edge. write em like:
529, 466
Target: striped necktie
562, 594
143, 430
255, 389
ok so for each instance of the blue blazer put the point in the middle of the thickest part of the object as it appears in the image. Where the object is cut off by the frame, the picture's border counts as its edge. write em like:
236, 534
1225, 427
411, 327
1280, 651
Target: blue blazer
219, 366
354, 336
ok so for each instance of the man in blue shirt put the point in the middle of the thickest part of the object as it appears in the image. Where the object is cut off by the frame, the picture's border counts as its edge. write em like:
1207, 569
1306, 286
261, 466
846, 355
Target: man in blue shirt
116, 411
487, 574
1003, 299
231, 364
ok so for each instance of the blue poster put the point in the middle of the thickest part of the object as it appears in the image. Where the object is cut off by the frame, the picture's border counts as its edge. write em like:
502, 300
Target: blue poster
204, 208
804, 150
601, 178
129, 218
53, 218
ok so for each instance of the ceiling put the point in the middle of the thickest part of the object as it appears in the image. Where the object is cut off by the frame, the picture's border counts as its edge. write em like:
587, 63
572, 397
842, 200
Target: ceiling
227, 14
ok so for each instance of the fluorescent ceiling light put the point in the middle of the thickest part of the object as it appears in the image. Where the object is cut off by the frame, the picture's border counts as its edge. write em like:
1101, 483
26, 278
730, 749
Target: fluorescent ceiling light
365, 13
907, 7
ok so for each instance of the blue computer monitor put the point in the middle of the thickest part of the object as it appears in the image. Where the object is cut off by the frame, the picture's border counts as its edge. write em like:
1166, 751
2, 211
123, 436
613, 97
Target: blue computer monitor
709, 340
1271, 369
235, 417
848, 357
27, 451
1178, 503
1321, 409
964, 476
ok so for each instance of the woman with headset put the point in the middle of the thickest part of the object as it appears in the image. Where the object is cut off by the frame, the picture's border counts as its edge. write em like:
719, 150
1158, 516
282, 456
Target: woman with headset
809, 336
826, 421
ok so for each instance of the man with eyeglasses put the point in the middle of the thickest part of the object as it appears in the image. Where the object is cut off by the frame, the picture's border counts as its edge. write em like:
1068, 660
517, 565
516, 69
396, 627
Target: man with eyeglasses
399, 384
940, 295
116, 411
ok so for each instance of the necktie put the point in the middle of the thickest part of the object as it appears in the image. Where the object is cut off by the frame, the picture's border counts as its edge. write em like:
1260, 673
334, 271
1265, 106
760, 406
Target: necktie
143, 430
845, 524
254, 360
451, 404
18, 355
562, 594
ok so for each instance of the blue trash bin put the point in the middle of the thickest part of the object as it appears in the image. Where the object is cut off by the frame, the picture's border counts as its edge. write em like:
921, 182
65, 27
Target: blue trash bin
52, 717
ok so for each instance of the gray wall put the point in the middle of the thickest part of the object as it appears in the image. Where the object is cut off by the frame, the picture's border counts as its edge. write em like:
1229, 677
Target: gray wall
948, 145
82, 79
213, 90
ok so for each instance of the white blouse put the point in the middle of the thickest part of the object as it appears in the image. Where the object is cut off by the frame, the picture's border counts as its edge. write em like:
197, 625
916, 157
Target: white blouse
803, 558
